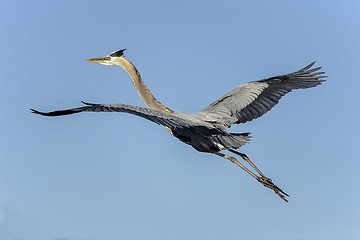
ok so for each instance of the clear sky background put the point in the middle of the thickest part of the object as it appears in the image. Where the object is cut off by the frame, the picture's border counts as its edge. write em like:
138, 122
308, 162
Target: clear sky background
96, 176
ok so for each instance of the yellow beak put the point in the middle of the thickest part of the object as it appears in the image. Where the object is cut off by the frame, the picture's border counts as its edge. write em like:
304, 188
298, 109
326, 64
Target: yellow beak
99, 59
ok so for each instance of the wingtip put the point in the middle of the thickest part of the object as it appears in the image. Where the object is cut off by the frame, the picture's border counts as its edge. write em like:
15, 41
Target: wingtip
36, 112
310, 65
86, 103
33, 110
304, 69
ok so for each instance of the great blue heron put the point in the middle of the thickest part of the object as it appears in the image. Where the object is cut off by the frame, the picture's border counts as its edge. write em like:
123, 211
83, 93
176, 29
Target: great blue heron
205, 130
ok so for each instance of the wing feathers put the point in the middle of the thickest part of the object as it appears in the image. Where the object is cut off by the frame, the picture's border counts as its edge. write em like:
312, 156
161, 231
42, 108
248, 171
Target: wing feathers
252, 100
161, 118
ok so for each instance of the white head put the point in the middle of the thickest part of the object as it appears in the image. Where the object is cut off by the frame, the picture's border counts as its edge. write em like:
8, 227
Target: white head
110, 59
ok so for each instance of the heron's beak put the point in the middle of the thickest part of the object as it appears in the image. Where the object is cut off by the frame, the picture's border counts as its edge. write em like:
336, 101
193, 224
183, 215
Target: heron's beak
99, 59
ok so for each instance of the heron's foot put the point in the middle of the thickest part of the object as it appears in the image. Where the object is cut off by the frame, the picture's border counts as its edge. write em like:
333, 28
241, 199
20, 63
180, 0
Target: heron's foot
267, 182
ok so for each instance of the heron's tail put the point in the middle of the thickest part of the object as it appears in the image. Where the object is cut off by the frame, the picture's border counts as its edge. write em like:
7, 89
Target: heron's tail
230, 140
242, 138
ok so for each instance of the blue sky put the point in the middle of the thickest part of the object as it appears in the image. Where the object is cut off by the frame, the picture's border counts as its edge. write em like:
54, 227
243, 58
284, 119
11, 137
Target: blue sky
115, 176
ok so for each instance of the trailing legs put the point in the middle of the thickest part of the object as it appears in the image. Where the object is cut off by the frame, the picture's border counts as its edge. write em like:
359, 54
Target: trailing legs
267, 182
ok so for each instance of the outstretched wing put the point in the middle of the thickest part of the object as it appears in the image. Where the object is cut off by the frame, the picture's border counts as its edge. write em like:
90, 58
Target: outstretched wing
252, 100
161, 118
179, 122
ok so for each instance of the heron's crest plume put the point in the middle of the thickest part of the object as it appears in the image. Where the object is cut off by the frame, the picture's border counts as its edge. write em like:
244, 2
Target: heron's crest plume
118, 53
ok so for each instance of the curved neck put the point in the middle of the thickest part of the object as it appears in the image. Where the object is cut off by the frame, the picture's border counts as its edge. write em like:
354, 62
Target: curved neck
140, 86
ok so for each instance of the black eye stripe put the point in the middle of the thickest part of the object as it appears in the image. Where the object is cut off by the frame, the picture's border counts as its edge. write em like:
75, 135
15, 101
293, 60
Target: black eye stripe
117, 53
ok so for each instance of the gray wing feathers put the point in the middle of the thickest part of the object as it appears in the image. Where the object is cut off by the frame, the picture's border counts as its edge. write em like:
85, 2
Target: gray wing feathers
227, 140
155, 116
252, 100
237, 98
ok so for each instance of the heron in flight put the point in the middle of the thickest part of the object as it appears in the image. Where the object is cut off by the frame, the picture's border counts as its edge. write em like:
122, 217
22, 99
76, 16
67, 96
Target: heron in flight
206, 130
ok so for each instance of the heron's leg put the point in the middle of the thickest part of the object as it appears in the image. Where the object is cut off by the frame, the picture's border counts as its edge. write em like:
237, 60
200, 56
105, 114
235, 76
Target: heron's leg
267, 182
234, 160
247, 159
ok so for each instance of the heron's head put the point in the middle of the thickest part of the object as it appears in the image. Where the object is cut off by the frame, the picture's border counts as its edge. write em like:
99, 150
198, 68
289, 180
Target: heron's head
110, 59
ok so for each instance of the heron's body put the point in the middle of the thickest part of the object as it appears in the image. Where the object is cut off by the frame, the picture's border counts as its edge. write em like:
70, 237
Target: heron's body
206, 130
